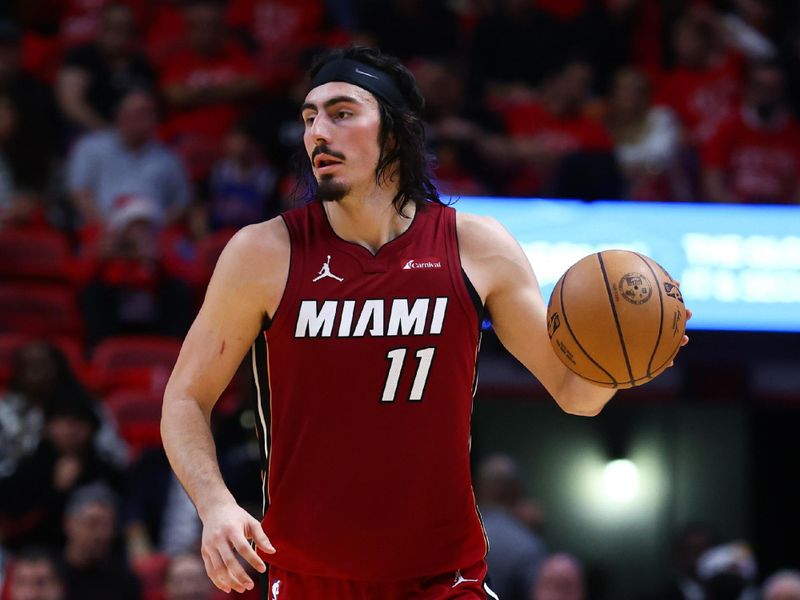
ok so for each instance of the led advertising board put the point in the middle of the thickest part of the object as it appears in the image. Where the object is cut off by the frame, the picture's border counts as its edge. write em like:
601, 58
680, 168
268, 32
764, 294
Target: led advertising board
739, 266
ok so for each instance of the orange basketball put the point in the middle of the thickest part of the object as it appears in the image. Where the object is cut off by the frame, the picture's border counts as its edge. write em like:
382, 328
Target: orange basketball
616, 318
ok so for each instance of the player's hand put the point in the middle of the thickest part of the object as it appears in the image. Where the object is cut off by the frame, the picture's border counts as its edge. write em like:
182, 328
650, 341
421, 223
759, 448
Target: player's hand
227, 532
685, 339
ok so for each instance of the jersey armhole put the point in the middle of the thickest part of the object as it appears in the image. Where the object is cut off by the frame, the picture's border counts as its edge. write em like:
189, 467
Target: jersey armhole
480, 309
268, 321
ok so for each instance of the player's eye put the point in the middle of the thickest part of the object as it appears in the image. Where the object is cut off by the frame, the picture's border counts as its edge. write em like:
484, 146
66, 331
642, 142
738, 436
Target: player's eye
308, 120
343, 114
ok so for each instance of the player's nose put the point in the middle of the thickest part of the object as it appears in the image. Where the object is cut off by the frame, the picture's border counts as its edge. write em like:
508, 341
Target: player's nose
320, 130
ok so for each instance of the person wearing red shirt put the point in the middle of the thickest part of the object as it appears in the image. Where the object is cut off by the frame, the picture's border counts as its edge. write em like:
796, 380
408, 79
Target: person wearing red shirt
206, 85
755, 155
705, 84
557, 128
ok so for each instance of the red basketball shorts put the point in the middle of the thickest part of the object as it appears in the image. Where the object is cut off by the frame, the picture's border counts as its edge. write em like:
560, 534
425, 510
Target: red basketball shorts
465, 584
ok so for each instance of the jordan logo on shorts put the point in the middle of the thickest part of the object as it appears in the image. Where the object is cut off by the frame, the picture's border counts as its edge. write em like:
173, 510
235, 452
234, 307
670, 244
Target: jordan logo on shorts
325, 271
460, 579
276, 589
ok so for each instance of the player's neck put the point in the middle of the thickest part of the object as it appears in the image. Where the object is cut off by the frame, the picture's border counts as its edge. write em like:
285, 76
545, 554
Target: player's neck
369, 220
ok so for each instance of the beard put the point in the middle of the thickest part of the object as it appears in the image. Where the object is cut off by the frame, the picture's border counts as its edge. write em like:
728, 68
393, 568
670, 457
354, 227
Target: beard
329, 190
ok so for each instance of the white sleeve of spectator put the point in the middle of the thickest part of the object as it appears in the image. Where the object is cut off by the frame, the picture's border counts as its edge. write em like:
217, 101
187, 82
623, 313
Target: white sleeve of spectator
658, 148
747, 39
82, 166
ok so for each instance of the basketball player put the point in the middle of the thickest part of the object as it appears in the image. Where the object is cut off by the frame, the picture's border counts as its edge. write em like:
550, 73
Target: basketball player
365, 306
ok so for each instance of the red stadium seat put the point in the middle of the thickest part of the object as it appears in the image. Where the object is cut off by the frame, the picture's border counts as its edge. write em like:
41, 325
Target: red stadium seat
34, 255
138, 416
134, 361
39, 310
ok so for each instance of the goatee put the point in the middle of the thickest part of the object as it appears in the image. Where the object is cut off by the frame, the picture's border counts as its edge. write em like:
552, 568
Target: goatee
329, 190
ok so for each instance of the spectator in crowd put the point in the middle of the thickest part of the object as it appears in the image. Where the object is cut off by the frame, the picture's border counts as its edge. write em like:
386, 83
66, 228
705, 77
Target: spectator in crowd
186, 579
783, 585
207, 86
32, 498
127, 160
727, 572
160, 517
37, 575
648, 140
688, 546
561, 577
515, 552
94, 571
755, 155
96, 76
458, 126
29, 125
242, 184
41, 377
705, 83
565, 151
280, 32
130, 289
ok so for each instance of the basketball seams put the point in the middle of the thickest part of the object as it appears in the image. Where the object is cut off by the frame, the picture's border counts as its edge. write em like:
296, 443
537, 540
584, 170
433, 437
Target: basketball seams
616, 317
614, 382
661, 318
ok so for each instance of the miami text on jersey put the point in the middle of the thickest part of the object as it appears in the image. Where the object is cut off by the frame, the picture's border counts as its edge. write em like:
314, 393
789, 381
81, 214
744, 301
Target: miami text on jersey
423, 316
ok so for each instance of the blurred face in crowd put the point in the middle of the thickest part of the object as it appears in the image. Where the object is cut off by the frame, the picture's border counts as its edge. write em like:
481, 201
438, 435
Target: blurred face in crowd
241, 149
204, 22
560, 578
765, 90
783, 586
90, 531
71, 435
570, 89
341, 137
137, 118
117, 30
187, 579
693, 43
38, 369
630, 96
35, 580
137, 240
441, 87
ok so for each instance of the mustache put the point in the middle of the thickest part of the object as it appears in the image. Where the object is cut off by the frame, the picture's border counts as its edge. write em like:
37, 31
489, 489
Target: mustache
324, 149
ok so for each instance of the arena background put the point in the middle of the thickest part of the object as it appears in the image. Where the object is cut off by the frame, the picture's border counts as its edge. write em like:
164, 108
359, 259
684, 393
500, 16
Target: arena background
665, 126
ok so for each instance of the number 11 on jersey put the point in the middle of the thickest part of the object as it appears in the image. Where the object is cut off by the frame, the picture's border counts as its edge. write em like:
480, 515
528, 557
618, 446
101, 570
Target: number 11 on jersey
396, 359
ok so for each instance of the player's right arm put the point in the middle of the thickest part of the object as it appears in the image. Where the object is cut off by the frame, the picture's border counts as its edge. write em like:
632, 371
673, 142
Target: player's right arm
247, 284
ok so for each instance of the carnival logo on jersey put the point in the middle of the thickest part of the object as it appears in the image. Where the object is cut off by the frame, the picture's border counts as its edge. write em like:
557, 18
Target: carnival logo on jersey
421, 263
325, 271
374, 317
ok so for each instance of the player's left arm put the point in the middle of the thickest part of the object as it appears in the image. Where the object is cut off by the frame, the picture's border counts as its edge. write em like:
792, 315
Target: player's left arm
502, 275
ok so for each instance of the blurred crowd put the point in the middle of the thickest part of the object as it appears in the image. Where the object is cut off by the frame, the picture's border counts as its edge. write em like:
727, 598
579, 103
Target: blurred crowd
137, 136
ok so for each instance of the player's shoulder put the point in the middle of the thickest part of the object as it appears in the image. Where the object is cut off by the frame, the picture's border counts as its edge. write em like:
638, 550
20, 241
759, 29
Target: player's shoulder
480, 233
259, 248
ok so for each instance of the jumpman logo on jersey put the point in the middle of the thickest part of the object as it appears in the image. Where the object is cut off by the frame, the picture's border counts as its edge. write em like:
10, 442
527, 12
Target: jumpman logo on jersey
460, 579
325, 271
276, 589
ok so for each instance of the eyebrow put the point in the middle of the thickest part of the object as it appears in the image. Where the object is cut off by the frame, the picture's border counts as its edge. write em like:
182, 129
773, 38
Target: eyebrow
329, 103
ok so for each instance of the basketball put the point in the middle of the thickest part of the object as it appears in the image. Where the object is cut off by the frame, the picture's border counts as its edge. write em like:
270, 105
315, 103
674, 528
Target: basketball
616, 318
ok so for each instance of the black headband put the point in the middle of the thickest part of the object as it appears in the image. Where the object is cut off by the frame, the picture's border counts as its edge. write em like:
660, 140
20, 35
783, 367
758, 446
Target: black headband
364, 76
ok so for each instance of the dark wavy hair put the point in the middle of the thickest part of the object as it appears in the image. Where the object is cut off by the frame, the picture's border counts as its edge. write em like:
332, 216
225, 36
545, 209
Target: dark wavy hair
404, 126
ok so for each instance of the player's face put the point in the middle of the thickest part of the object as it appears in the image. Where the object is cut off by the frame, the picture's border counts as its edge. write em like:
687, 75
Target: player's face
342, 124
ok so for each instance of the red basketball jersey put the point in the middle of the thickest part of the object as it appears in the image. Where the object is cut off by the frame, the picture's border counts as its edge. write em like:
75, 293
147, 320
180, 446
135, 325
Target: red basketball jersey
365, 412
